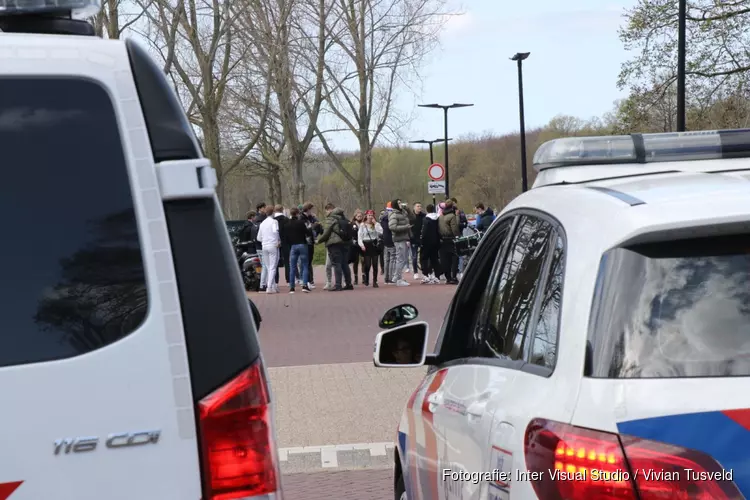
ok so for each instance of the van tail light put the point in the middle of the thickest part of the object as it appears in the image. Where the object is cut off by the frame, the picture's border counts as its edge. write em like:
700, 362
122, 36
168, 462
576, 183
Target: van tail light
568, 462
237, 448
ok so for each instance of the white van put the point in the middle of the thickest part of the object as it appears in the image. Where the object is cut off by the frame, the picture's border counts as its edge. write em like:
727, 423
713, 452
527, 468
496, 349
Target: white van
129, 361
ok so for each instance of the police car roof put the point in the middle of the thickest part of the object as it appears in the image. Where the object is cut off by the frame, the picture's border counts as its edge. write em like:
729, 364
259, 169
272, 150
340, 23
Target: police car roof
604, 213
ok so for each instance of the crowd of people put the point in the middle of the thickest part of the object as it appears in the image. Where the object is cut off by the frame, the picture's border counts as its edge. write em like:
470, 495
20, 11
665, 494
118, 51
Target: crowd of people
401, 239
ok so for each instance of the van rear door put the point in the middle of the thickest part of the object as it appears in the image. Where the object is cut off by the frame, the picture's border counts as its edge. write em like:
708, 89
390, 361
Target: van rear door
96, 392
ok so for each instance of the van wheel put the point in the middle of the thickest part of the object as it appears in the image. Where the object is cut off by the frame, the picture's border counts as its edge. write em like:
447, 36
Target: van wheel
400, 492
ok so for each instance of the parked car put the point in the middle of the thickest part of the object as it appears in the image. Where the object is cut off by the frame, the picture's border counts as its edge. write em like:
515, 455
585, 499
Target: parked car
597, 345
129, 360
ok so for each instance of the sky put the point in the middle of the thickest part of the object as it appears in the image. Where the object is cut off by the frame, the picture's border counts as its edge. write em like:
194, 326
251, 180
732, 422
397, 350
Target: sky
572, 70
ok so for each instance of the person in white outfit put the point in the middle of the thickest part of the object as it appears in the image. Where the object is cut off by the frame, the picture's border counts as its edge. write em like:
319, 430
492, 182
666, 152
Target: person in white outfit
268, 236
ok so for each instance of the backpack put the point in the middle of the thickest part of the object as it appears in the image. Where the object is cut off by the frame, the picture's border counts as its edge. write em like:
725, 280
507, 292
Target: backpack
346, 231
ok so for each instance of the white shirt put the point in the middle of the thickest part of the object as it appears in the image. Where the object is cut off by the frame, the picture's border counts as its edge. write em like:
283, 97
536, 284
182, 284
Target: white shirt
268, 233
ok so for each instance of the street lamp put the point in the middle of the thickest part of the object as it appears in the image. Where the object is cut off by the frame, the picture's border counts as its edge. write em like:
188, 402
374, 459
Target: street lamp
432, 160
681, 66
445, 108
520, 57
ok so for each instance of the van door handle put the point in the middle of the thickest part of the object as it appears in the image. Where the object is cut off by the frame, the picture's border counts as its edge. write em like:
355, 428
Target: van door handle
476, 410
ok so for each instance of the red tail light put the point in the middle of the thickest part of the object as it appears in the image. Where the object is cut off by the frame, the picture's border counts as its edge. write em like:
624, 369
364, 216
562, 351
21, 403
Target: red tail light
236, 438
575, 463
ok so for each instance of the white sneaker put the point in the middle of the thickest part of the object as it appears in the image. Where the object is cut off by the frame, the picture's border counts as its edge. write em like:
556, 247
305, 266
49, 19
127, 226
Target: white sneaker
402, 283
327, 287
426, 281
311, 286
434, 281
416, 276
272, 290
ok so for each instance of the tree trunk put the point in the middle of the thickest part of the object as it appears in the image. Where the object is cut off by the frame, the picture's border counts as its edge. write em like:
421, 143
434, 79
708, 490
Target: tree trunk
365, 171
298, 182
271, 188
277, 186
212, 147
113, 20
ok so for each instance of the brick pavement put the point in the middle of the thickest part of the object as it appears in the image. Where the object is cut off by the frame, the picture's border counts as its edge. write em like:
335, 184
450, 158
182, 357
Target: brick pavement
337, 327
318, 348
340, 485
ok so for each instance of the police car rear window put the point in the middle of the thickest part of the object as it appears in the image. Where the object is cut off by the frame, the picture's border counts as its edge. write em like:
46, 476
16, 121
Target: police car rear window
71, 273
673, 309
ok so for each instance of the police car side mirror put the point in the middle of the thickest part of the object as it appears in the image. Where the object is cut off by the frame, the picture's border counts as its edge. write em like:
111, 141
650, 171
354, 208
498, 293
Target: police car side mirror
402, 347
398, 315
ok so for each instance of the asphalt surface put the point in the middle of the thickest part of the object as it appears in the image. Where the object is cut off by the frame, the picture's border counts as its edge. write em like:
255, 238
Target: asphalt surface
335, 413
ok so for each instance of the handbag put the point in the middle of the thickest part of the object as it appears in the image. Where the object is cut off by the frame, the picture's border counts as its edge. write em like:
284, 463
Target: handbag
378, 243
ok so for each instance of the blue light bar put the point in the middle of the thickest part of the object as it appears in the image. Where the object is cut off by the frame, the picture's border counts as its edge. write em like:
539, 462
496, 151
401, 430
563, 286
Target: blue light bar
79, 9
643, 148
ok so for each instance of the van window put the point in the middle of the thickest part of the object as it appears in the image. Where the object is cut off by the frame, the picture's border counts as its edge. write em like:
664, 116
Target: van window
71, 273
673, 309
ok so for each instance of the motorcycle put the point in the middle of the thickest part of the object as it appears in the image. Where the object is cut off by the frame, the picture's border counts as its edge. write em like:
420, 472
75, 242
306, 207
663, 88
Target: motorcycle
250, 267
465, 245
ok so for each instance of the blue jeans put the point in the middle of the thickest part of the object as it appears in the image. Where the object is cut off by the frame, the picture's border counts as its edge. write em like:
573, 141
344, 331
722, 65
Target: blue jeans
298, 254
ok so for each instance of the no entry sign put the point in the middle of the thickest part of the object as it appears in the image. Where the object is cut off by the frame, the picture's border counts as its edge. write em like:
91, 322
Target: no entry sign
436, 172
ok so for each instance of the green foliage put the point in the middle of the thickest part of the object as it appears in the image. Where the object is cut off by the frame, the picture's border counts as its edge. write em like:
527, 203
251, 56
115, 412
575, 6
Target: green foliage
717, 38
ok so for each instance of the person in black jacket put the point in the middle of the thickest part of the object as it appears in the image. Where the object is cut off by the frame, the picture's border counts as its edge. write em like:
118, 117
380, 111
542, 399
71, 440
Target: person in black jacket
248, 234
430, 250
389, 249
485, 216
278, 214
296, 232
416, 237
317, 229
261, 210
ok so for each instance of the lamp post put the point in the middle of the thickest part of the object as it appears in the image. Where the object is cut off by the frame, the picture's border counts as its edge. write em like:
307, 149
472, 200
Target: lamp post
681, 66
519, 58
445, 108
432, 160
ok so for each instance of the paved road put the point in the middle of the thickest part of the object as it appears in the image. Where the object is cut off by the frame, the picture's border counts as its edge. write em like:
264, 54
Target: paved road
336, 414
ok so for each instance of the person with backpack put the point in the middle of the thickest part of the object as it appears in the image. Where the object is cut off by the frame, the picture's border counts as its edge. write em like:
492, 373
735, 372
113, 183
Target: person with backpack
248, 233
430, 252
389, 251
338, 237
400, 226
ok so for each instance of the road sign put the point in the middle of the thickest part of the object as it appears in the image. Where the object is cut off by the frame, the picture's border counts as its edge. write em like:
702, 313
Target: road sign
436, 187
436, 172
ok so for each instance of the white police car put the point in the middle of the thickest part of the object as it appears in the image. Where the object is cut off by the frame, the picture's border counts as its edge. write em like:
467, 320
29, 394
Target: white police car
598, 346
129, 360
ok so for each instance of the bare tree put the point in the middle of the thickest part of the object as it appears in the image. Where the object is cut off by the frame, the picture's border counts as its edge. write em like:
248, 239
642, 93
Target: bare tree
379, 45
111, 21
290, 37
199, 49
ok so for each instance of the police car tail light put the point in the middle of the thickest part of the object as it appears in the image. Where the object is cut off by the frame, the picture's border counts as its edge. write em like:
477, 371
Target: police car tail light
573, 462
569, 462
79, 9
666, 471
237, 448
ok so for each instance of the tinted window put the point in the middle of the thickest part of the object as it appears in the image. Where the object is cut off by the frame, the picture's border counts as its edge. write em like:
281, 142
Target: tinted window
513, 292
71, 270
465, 310
544, 346
673, 309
